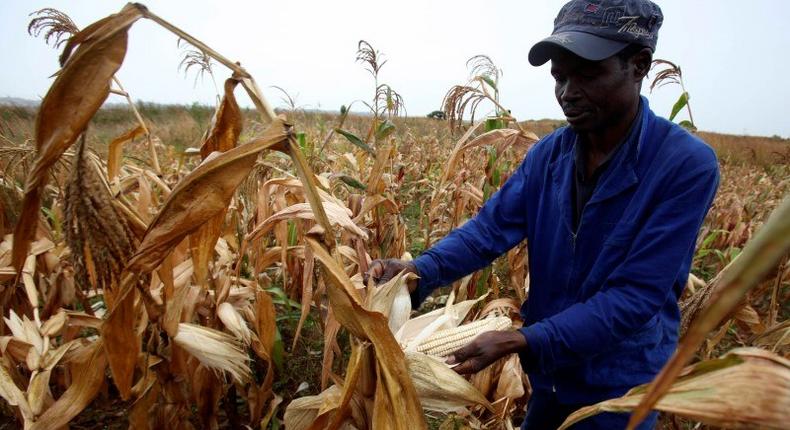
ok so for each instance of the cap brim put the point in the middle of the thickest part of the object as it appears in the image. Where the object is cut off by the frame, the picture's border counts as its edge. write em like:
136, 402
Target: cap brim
585, 45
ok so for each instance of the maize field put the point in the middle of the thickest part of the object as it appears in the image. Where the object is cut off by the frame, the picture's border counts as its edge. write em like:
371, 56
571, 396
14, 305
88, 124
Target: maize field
168, 267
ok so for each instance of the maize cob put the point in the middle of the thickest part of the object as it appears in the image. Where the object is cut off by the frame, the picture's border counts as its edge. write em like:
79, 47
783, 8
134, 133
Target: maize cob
445, 342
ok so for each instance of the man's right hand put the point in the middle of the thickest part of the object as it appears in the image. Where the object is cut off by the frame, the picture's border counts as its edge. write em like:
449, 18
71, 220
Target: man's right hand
382, 271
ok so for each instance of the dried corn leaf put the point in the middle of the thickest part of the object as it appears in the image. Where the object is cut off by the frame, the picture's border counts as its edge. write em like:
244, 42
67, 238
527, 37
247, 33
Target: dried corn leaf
439, 387
121, 342
222, 136
396, 404
38, 393
87, 380
79, 90
307, 293
759, 256
746, 388
302, 412
338, 215
12, 394
201, 195
115, 152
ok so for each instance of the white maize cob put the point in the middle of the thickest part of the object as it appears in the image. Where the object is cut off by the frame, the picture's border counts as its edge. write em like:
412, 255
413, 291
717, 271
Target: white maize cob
445, 342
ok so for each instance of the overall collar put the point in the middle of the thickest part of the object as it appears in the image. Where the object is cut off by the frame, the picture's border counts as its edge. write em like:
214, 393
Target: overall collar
618, 177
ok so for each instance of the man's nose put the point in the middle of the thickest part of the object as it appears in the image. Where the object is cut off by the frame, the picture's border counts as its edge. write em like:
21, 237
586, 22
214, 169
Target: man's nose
570, 91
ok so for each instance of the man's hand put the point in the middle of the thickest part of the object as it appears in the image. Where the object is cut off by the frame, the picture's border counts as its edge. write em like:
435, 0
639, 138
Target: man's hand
382, 271
487, 348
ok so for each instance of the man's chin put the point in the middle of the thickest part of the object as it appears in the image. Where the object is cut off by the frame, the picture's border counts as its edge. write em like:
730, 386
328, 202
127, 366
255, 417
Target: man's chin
580, 127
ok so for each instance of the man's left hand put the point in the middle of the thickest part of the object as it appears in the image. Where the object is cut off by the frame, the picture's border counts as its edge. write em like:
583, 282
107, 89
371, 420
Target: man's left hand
487, 348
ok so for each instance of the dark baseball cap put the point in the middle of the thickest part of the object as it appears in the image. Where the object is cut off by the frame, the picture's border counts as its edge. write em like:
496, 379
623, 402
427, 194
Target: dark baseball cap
598, 29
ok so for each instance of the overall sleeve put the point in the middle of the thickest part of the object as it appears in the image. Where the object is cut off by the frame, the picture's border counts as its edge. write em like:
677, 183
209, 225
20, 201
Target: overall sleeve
499, 226
638, 288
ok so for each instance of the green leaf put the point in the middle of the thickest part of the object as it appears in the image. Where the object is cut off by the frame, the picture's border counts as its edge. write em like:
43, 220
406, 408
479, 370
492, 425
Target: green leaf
352, 182
494, 124
682, 101
688, 125
384, 129
355, 140
489, 81
278, 350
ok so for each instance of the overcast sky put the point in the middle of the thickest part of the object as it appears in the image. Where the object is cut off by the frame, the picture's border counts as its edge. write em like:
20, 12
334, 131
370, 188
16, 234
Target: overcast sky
734, 54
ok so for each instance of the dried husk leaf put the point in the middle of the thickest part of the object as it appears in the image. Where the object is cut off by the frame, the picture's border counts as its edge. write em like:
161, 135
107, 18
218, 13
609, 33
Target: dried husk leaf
214, 349
439, 387
392, 299
201, 195
746, 388
79, 90
509, 383
451, 315
234, 322
87, 380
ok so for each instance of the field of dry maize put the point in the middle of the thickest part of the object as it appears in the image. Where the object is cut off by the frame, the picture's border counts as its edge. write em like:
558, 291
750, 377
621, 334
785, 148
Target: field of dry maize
200, 267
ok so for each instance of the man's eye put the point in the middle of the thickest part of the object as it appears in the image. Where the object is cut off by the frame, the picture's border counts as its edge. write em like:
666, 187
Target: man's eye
558, 78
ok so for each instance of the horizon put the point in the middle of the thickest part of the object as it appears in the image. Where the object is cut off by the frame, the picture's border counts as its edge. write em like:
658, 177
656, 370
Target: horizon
29, 104
315, 61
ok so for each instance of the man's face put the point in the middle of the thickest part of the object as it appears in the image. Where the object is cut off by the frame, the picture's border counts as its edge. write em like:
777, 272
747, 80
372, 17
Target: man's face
594, 95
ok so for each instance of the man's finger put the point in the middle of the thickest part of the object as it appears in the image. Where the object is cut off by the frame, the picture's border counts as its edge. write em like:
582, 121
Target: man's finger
464, 353
467, 367
374, 271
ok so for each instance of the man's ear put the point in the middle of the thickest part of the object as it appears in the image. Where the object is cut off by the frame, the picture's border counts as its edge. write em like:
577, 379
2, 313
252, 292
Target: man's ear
642, 61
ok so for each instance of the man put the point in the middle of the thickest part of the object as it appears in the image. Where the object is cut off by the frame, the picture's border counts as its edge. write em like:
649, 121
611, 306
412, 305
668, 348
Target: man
610, 207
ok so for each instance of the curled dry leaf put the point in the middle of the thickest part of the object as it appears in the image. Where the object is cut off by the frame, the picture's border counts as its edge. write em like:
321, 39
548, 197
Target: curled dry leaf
222, 136
200, 196
338, 215
79, 90
115, 151
714, 392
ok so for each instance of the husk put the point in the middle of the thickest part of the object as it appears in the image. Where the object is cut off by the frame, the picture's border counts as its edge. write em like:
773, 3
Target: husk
439, 387
214, 349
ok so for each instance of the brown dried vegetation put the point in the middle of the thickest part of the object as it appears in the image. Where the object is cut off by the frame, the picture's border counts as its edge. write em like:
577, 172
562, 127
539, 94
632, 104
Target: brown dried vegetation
174, 292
